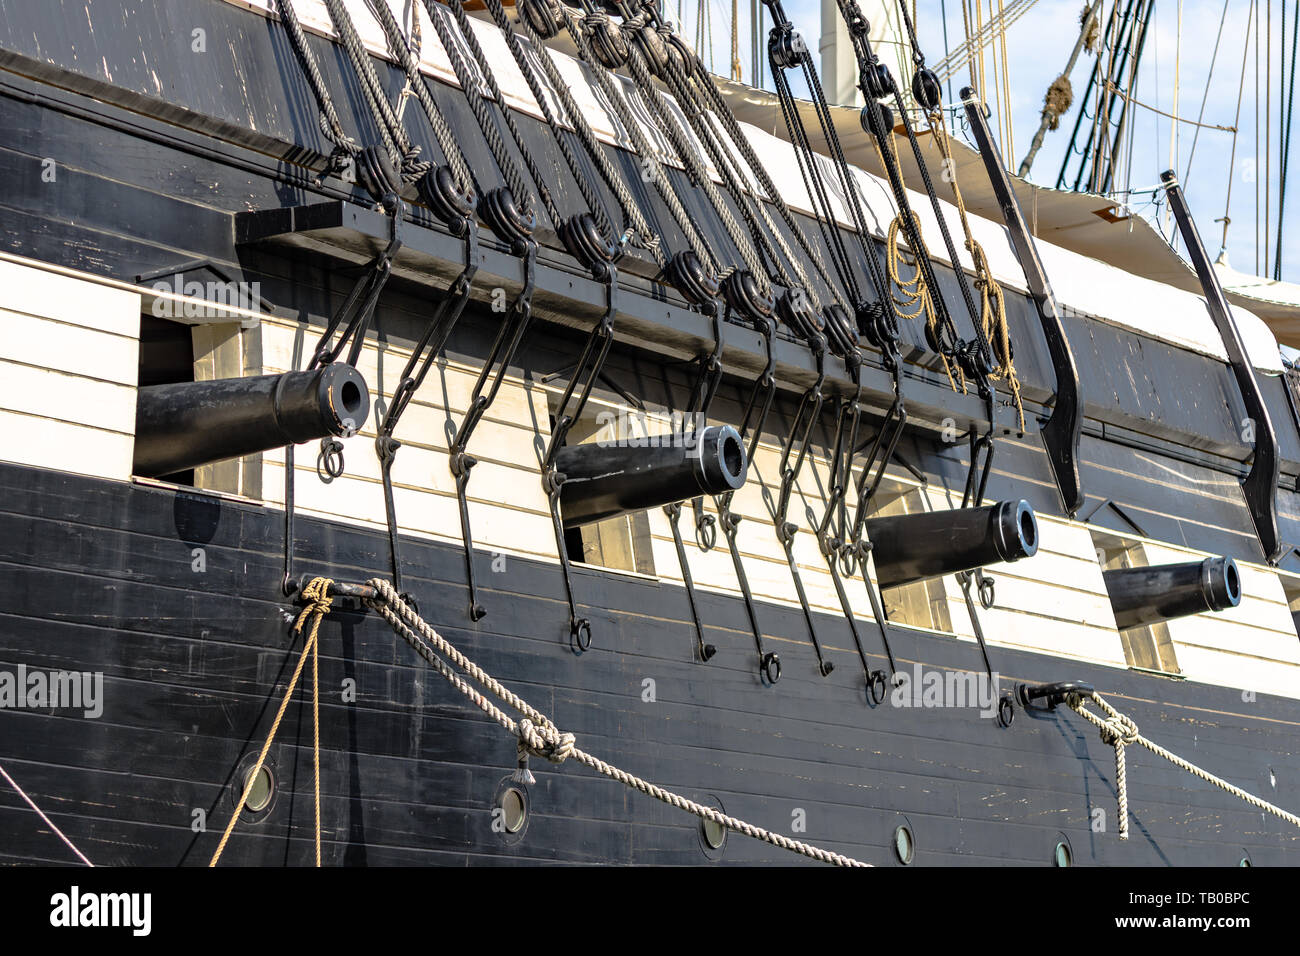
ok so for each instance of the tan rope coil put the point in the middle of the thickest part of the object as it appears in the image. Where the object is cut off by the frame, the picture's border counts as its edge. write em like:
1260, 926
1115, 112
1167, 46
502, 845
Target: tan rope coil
912, 297
993, 306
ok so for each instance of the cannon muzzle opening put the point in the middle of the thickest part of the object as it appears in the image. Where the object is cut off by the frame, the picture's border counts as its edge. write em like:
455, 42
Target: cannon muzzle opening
1143, 596
910, 548
604, 481
187, 424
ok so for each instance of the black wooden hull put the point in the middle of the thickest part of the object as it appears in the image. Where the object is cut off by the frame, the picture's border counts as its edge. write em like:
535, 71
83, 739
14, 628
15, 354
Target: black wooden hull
98, 576
163, 158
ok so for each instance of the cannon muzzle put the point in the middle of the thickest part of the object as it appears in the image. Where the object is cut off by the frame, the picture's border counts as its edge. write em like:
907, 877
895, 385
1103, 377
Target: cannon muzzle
1142, 596
187, 424
930, 544
605, 481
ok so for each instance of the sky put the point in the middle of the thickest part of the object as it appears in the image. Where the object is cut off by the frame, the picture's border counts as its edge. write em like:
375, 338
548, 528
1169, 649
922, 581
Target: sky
1038, 46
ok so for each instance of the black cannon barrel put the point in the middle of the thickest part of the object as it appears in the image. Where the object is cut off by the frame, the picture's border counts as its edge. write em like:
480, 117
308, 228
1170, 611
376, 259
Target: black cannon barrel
603, 481
1141, 596
929, 544
187, 424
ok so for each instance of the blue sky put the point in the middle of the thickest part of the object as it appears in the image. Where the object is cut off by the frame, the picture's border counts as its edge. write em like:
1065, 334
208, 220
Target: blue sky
1038, 46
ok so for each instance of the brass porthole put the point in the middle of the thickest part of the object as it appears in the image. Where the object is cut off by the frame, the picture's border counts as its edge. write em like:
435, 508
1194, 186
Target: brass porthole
514, 809
260, 787
712, 835
904, 844
511, 811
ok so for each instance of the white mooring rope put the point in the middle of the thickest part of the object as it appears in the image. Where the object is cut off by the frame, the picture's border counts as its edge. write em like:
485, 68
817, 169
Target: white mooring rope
1119, 730
539, 736
41, 813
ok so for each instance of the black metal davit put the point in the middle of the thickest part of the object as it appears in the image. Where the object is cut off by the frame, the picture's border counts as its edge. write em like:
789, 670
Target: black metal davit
1260, 484
1063, 429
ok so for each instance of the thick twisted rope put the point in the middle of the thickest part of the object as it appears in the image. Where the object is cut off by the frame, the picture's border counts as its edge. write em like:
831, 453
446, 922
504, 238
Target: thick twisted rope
318, 599
483, 114
538, 735
693, 162
404, 154
612, 90
1120, 731
408, 55
330, 124
595, 203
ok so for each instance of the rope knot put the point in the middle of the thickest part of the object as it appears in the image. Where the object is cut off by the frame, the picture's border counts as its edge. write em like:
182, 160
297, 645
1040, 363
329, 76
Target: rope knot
318, 602
1119, 728
545, 742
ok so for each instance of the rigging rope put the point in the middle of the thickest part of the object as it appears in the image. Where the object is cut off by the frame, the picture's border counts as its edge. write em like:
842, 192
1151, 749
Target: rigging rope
401, 151
318, 599
408, 55
330, 125
1236, 121
594, 201
640, 229
486, 118
993, 310
41, 813
688, 155
1120, 731
576, 26
535, 731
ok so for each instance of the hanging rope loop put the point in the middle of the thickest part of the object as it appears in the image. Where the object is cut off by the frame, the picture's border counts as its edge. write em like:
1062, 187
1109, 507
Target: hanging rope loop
535, 732
1120, 731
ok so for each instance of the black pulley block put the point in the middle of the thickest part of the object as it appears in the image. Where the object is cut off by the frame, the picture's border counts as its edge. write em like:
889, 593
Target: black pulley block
741, 291
876, 325
869, 122
501, 212
840, 333
544, 16
795, 311
585, 242
926, 89
879, 81
377, 175
450, 201
688, 275
607, 40
786, 47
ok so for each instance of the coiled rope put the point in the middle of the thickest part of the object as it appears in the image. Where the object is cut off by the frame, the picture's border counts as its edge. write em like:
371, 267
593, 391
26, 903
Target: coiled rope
538, 735
912, 297
993, 306
1120, 731
318, 599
